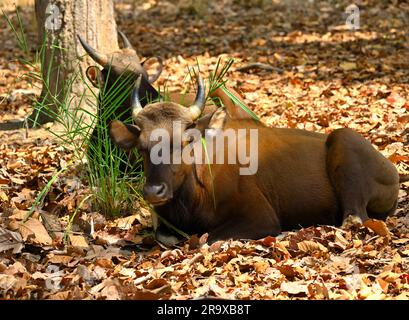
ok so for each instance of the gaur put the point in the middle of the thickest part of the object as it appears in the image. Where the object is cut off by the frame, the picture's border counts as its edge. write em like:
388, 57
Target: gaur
303, 178
120, 70
122, 65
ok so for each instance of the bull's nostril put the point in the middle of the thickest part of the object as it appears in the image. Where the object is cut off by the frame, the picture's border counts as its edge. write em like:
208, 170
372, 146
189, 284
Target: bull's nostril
155, 191
161, 190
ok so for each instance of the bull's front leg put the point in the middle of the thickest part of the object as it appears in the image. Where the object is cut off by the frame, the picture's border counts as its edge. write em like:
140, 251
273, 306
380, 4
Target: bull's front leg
244, 230
166, 236
255, 219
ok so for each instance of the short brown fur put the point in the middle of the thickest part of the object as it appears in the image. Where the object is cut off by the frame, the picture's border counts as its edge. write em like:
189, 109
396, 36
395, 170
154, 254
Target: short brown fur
303, 179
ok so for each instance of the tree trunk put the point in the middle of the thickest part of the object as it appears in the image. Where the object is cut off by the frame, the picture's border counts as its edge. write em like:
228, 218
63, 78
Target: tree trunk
64, 61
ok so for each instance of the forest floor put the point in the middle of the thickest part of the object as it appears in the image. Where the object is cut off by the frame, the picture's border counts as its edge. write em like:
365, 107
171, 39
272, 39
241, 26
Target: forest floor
323, 77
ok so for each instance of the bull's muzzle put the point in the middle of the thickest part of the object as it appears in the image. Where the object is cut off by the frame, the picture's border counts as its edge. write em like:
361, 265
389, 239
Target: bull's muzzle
156, 194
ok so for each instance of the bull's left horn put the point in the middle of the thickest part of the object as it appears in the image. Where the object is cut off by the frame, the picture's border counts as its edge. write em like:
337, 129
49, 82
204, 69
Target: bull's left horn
125, 40
197, 108
99, 58
136, 106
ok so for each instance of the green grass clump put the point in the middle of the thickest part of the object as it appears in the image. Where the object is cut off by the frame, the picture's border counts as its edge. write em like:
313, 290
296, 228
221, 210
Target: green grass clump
113, 192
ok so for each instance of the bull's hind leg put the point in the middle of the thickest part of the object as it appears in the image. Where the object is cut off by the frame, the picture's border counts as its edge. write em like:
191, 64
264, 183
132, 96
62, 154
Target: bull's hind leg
366, 183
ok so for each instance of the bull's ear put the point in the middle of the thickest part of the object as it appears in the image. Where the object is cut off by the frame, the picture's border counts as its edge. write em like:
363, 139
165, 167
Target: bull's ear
203, 123
124, 135
153, 67
214, 120
234, 111
94, 75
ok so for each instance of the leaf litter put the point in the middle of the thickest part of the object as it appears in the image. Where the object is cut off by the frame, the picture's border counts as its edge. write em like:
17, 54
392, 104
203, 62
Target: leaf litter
294, 68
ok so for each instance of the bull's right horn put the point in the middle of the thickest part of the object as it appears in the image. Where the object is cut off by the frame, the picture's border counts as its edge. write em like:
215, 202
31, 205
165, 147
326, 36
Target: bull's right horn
136, 106
197, 108
99, 58
125, 40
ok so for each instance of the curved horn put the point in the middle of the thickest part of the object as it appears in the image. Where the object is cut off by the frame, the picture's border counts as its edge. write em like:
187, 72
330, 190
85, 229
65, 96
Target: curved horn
152, 78
136, 106
99, 58
125, 40
197, 108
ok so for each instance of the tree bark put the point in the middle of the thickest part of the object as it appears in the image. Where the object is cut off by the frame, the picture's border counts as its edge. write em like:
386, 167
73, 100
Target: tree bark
64, 60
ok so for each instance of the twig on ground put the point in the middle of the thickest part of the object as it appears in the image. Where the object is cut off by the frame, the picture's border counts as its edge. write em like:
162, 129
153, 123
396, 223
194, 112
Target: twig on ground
259, 65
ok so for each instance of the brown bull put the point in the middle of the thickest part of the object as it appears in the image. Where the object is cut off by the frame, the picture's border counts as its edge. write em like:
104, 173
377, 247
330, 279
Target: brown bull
117, 76
120, 69
303, 178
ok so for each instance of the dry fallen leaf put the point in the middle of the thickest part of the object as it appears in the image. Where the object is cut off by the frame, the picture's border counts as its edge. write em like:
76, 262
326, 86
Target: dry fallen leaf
10, 240
311, 246
78, 241
60, 259
348, 66
7, 282
378, 226
396, 100
3, 196
294, 287
33, 230
126, 222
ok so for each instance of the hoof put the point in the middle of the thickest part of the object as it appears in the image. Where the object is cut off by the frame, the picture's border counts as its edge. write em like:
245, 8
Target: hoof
351, 221
166, 239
